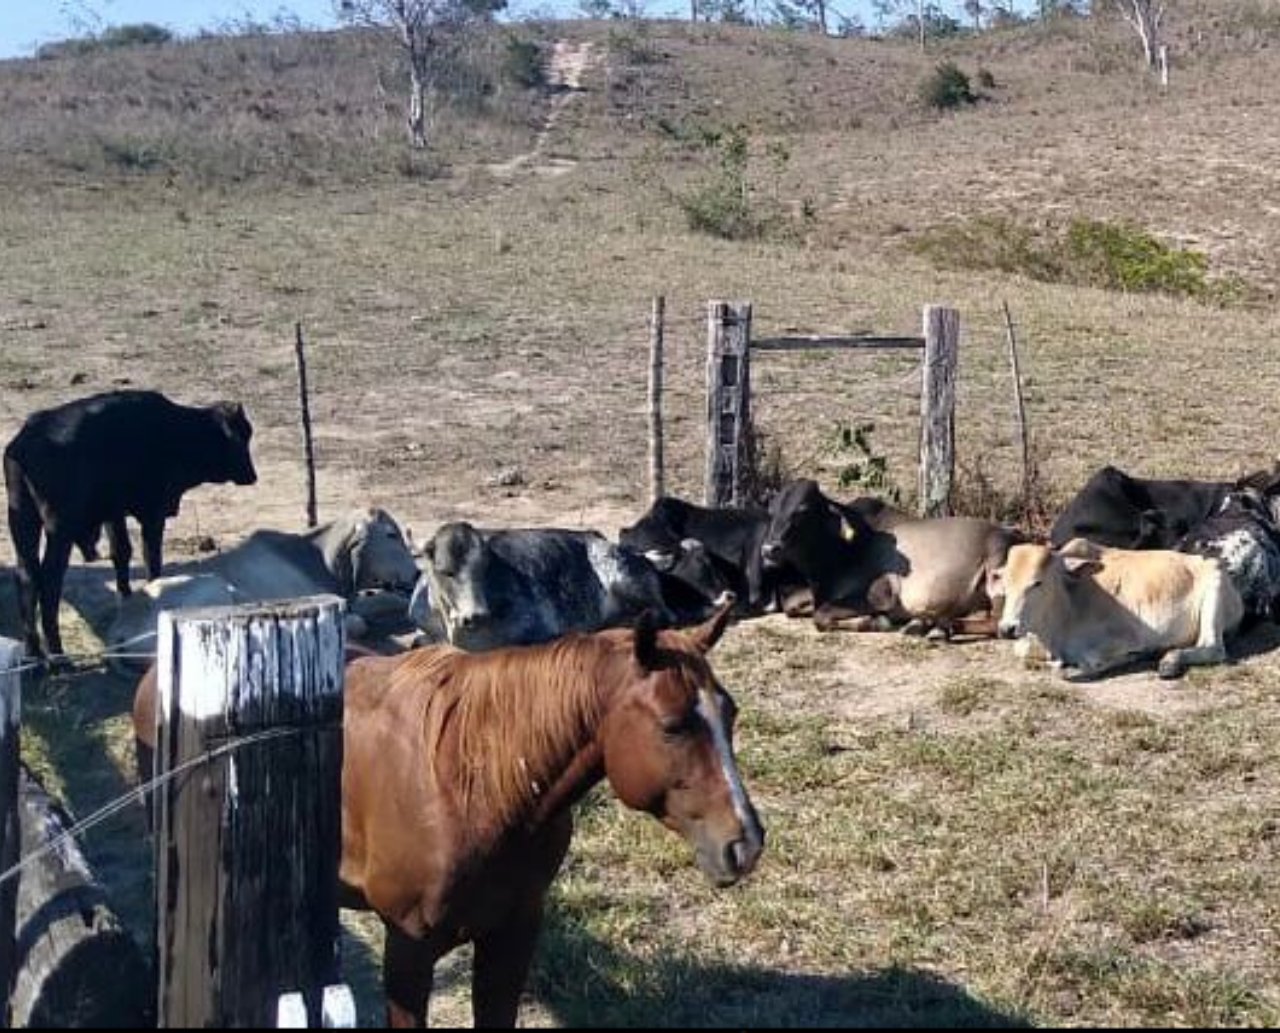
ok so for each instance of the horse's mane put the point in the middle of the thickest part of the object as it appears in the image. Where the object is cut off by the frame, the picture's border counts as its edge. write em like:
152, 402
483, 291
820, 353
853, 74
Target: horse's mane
515, 716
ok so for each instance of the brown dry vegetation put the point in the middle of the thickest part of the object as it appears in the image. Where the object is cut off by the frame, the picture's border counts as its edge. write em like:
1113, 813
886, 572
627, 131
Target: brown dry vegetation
951, 840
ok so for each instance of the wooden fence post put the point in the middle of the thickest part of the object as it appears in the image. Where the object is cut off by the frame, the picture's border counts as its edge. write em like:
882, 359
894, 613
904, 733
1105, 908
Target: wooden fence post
657, 479
248, 842
728, 402
11, 657
938, 410
309, 452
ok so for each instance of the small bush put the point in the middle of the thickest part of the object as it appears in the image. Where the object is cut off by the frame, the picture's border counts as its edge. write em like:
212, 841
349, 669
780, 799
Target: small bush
985, 79
140, 34
947, 87
862, 469
1086, 252
725, 204
522, 63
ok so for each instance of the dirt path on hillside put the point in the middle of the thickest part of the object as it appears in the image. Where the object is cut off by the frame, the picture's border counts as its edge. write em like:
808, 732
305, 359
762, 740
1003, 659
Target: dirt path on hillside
565, 71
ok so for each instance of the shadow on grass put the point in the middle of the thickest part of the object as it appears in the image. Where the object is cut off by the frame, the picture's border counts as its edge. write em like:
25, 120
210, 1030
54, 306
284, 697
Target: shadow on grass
585, 982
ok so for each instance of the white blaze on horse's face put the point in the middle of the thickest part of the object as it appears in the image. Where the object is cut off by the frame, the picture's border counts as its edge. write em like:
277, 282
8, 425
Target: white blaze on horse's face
713, 707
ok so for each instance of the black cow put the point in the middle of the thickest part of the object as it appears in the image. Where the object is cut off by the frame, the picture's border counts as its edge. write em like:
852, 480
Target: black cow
94, 461
1124, 512
1242, 534
483, 589
710, 550
867, 559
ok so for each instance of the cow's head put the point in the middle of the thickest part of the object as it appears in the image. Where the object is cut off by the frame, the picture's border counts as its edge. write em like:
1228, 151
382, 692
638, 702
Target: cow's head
380, 555
457, 571
234, 463
802, 524
1034, 581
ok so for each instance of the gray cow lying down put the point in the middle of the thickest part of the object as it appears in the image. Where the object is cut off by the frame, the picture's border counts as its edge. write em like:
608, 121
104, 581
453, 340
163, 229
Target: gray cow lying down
485, 589
363, 557
1087, 609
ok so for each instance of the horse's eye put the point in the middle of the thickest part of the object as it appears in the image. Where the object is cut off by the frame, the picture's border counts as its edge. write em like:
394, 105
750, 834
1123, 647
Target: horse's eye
676, 725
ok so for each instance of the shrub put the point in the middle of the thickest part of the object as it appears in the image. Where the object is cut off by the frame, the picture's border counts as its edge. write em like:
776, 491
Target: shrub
522, 63
1087, 252
985, 79
862, 469
722, 204
947, 87
140, 34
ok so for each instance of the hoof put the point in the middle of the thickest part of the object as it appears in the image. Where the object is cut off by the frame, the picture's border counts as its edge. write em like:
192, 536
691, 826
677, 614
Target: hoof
1170, 669
916, 628
938, 634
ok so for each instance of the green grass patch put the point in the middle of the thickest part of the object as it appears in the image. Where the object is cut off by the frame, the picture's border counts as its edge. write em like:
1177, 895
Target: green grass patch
1116, 256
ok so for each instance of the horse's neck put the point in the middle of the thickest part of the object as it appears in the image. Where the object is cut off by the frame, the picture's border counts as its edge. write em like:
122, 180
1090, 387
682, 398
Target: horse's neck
538, 734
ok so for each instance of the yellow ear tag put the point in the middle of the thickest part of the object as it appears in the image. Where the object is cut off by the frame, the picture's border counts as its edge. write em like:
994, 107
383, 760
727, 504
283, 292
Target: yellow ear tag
847, 531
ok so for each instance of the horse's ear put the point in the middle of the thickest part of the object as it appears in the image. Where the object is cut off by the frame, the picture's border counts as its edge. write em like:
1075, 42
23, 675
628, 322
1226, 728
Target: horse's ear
707, 634
646, 644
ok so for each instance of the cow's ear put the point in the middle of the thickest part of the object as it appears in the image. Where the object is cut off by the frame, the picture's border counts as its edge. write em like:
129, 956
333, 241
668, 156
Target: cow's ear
1080, 567
706, 635
995, 582
646, 641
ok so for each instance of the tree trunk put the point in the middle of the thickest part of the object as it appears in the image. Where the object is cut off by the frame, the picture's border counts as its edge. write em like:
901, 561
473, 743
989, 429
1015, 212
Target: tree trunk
920, 21
417, 109
821, 9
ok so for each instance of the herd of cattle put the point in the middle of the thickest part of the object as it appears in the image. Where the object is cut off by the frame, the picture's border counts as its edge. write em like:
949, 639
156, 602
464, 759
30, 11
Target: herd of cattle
1133, 568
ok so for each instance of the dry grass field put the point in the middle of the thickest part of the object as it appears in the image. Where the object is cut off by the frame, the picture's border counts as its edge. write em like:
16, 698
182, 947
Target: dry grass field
952, 840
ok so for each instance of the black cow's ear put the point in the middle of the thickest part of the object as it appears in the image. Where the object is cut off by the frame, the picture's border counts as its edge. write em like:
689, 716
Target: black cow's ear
646, 641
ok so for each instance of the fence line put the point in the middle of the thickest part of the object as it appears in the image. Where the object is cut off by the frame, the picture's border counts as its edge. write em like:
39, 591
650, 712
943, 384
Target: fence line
138, 794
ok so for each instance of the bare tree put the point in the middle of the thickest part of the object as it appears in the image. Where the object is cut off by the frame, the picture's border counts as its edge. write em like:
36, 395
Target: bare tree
974, 9
425, 28
1145, 16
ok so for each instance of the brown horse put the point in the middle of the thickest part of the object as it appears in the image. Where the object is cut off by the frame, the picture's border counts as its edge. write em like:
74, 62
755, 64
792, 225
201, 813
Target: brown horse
460, 770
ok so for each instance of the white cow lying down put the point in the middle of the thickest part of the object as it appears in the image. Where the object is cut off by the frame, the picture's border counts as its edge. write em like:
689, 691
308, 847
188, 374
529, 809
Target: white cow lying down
1089, 609
362, 556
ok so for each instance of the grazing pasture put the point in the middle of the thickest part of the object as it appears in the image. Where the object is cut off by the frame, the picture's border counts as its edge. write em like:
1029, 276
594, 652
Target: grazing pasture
950, 839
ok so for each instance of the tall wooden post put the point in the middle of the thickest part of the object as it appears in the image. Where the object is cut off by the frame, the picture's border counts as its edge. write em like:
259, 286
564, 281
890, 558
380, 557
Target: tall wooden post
728, 402
248, 842
938, 410
11, 657
657, 476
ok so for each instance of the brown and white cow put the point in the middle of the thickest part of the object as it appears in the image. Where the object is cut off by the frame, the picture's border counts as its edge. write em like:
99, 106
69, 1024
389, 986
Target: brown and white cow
1086, 609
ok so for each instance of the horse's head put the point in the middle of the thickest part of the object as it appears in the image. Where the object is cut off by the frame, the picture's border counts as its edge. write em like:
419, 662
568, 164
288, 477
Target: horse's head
668, 748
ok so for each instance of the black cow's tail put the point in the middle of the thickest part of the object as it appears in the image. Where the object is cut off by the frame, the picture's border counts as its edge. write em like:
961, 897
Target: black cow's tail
24, 517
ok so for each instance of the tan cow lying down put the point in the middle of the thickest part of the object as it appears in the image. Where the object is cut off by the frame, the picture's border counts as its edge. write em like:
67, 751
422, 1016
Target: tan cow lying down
1087, 609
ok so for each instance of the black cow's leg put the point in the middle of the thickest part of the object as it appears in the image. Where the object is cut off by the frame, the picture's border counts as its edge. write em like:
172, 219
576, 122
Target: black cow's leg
152, 546
53, 569
121, 555
25, 528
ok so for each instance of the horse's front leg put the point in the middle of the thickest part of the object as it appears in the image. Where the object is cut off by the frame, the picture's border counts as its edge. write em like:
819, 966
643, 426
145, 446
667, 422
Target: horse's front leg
408, 970
502, 961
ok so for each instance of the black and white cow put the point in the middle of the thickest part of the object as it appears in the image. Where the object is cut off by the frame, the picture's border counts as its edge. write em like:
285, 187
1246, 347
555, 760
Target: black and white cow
92, 462
484, 589
1243, 535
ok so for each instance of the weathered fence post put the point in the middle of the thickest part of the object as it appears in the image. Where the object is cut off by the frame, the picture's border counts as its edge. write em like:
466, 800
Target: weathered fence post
308, 447
728, 402
938, 409
657, 479
11, 657
248, 841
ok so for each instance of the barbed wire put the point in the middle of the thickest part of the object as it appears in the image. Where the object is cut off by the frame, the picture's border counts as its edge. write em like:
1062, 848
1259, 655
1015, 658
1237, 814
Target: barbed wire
140, 793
